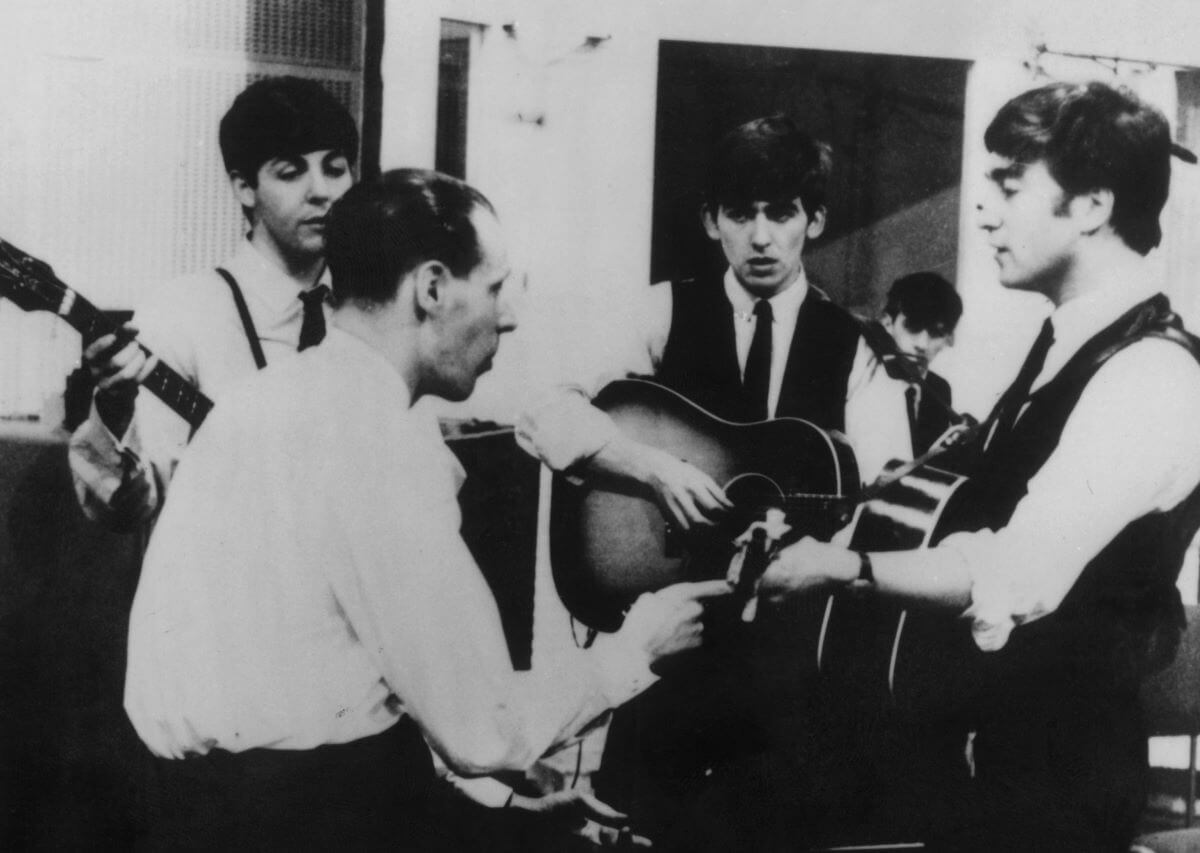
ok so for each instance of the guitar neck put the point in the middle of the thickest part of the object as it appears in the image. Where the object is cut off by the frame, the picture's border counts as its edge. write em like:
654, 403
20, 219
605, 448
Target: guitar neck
180, 395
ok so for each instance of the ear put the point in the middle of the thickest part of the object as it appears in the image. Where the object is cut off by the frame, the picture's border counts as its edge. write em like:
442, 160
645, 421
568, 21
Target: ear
1092, 209
708, 218
430, 279
816, 225
887, 321
246, 195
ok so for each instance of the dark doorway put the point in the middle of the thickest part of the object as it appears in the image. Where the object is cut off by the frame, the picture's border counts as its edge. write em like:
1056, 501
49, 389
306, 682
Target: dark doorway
896, 127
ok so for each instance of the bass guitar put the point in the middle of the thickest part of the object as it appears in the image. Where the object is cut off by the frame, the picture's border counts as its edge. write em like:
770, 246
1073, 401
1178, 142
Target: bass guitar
32, 286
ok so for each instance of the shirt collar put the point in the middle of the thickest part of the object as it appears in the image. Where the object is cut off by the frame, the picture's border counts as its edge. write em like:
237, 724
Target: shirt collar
356, 358
1078, 319
786, 303
360, 357
270, 283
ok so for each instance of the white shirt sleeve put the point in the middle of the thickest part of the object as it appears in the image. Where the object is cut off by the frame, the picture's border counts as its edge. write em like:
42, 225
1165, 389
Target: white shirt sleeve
150, 449
488, 791
99, 462
1127, 449
561, 427
876, 415
413, 580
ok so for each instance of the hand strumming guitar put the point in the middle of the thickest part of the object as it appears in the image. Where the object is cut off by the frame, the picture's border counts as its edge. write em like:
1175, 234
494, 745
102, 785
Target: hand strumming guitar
118, 365
685, 494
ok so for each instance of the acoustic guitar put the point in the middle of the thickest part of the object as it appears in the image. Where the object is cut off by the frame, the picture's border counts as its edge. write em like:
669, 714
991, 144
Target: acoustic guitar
879, 651
610, 542
32, 285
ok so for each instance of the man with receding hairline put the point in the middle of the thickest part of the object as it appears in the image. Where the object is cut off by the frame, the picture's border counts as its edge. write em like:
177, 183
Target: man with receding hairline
308, 615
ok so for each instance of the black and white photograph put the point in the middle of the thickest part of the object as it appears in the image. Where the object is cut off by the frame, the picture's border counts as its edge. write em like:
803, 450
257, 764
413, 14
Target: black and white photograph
553, 426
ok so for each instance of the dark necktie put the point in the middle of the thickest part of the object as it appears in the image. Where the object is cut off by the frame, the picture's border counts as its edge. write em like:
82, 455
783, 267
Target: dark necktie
912, 396
1014, 398
312, 328
757, 378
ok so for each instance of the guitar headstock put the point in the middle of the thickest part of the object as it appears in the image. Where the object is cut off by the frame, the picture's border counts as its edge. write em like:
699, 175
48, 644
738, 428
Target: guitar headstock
29, 282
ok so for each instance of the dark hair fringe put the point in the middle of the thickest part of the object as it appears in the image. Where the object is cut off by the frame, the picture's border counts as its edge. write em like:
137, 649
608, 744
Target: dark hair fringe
284, 117
1095, 136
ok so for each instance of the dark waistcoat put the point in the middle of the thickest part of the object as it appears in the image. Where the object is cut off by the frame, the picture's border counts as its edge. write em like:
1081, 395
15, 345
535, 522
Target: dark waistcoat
700, 359
1123, 613
933, 418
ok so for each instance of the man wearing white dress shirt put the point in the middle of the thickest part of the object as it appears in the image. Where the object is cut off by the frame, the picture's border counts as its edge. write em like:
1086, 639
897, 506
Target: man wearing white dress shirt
289, 147
1084, 494
758, 341
308, 615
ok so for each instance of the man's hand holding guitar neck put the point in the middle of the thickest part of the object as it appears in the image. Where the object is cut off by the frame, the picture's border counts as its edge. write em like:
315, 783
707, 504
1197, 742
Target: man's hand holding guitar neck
810, 566
118, 365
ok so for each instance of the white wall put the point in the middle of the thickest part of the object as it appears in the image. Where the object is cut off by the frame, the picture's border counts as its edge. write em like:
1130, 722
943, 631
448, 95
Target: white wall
576, 191
109, 165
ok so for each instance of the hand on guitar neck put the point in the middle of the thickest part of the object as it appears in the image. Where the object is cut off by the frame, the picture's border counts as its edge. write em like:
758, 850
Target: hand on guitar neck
118, 365
807, 566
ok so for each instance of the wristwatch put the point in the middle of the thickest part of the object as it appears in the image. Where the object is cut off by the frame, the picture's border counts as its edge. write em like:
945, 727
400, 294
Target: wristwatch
866, 574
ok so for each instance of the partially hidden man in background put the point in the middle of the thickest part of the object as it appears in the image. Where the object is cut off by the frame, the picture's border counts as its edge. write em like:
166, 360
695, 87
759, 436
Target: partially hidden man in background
308, 612
919, 317
288, 146
1058, 573
756, 342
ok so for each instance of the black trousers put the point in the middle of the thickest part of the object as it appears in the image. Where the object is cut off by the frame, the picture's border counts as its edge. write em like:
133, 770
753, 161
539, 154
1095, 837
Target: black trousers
374, 793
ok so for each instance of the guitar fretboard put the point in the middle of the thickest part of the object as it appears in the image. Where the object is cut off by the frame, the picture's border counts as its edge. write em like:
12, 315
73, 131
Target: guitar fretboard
180, 395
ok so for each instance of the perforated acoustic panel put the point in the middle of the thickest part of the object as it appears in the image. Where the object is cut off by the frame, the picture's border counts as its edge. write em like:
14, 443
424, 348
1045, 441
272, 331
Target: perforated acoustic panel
113, 174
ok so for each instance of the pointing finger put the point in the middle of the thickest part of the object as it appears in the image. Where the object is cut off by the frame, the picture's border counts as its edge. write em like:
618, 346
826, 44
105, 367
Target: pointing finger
701, 590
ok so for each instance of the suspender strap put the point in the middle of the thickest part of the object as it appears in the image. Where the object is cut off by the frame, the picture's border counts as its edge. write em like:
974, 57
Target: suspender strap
244, 313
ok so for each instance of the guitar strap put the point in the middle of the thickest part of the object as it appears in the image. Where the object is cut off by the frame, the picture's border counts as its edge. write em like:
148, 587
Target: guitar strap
898, 366
889, 355
1156, 321
244, 313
